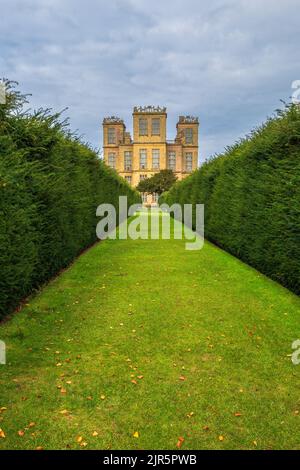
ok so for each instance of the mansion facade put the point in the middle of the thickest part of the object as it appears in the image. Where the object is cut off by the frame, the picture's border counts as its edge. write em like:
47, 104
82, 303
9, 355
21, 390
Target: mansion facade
149, 151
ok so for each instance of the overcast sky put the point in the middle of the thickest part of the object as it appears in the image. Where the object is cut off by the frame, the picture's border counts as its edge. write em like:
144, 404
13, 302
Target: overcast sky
228, 62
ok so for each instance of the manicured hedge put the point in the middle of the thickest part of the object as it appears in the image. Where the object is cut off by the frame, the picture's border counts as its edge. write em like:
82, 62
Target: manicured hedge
50, 186
252, 198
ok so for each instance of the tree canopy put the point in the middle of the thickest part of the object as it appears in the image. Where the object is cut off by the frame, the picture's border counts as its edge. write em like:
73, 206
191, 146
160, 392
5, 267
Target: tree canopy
158, 183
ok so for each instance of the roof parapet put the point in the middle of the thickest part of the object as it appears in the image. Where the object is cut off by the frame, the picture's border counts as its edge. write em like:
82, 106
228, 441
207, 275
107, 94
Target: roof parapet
149, 109
188, 120
113, 120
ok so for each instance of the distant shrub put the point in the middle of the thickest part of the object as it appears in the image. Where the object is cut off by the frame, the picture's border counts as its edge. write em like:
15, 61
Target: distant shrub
252, 198
50, 186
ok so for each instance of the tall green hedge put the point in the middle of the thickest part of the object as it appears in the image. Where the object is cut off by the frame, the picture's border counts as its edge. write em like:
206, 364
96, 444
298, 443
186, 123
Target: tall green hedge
50, 186
252, 198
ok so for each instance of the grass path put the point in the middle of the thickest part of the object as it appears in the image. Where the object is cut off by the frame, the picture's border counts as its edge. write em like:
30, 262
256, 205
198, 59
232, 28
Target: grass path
146, 337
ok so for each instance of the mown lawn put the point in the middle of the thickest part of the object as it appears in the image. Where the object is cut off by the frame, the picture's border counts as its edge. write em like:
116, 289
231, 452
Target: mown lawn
140, 343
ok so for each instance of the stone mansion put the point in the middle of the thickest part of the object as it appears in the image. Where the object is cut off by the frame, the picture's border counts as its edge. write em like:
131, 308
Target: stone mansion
149, 151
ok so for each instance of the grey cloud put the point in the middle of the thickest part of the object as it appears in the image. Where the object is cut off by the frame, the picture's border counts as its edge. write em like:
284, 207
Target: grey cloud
229, 62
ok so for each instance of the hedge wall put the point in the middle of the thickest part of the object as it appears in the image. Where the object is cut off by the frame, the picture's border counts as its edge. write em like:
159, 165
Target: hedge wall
50, 186
252, 198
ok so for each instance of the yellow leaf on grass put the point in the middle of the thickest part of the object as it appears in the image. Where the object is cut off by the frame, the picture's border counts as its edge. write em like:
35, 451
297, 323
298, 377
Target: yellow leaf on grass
95, 434
180, 442
79, 439
221, 438
136, 434
102, 397
2, 434
21, 433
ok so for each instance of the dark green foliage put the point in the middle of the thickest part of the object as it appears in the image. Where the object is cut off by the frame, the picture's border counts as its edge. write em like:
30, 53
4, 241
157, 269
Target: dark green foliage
252, 198
158, 183
50, 187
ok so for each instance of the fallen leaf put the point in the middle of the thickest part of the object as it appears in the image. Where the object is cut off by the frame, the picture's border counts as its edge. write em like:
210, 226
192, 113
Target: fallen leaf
39, 448
69, 382
221, 438
83, 444
95, 434
63, 390
64, 412
134, 382
182, 377
140, 376
2, 434
255, 443
3, 408
21, 433
136, 434
180, 442
102, 397
79, 439
31, 425
237, 414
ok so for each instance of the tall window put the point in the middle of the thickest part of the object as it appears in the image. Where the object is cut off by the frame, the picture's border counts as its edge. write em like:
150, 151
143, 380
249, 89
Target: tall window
143, 126
143, 159
155, 129
188, 135
128, 179
111, 137
112, 160
172, 161
127, 161
189, 161
155, 159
